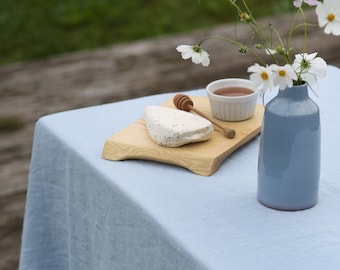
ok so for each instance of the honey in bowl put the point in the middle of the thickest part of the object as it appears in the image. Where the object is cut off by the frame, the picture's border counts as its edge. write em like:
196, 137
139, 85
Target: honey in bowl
233, 91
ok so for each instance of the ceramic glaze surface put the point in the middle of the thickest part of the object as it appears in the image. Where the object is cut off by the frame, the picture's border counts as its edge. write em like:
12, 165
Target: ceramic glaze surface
289, 156
232, 108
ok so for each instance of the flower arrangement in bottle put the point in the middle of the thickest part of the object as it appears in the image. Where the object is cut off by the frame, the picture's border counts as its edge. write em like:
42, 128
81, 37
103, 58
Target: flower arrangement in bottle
289, 66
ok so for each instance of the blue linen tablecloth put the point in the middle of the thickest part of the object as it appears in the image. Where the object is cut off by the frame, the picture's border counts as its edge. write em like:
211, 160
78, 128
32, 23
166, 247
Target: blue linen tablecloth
84, 212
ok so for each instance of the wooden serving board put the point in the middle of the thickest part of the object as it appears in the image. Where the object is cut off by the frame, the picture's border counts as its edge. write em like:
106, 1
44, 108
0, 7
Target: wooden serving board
203, 158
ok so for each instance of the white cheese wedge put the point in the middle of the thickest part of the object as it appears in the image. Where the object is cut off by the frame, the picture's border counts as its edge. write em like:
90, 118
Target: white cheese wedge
173, 127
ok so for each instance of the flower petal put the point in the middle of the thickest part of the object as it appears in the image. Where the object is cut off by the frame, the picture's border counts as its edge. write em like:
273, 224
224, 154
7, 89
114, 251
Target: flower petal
196, 58
205, 59
183, 48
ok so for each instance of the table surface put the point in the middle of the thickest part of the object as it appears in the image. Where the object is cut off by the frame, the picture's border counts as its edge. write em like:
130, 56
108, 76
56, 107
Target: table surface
84, 212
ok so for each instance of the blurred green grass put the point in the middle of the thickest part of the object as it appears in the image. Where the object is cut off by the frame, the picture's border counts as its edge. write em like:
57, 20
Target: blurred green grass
35, 29
11, 123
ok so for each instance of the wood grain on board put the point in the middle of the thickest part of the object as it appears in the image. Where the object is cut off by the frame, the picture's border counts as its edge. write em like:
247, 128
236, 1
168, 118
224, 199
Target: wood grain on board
203, 158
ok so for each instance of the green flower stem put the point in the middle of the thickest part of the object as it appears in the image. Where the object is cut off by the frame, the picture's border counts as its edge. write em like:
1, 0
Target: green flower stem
295, 26
236, 43
285, 53
256, 29
305, 30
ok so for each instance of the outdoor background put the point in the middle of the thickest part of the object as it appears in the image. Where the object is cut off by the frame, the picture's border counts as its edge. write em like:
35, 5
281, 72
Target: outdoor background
58, 55
33, 29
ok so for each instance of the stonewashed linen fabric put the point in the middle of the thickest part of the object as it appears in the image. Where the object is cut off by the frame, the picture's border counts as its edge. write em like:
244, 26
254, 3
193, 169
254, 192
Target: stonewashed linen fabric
84, 212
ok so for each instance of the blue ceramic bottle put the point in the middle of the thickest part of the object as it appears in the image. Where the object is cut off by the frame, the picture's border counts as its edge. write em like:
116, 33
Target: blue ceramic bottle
289, 156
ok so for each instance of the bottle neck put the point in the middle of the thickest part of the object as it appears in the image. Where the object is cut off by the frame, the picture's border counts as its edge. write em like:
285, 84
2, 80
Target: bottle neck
297, 92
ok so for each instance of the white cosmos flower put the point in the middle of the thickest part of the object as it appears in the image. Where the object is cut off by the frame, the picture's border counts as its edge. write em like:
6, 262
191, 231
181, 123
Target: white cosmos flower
261, 76
283, 75
328, 14
309, 67
196, 53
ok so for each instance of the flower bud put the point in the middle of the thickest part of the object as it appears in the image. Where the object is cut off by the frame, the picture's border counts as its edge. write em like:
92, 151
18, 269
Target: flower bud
243, 50
280, 50
245, 17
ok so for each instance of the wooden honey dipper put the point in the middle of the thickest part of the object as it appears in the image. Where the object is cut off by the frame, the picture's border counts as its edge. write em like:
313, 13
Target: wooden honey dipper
185, 103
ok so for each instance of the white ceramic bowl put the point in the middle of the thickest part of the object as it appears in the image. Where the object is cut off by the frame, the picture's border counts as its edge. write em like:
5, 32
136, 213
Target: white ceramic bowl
232, 108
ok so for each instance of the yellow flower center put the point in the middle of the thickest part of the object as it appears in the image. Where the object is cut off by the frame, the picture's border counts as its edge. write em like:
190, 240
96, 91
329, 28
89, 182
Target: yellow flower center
330, 17
264, 76
282, 73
